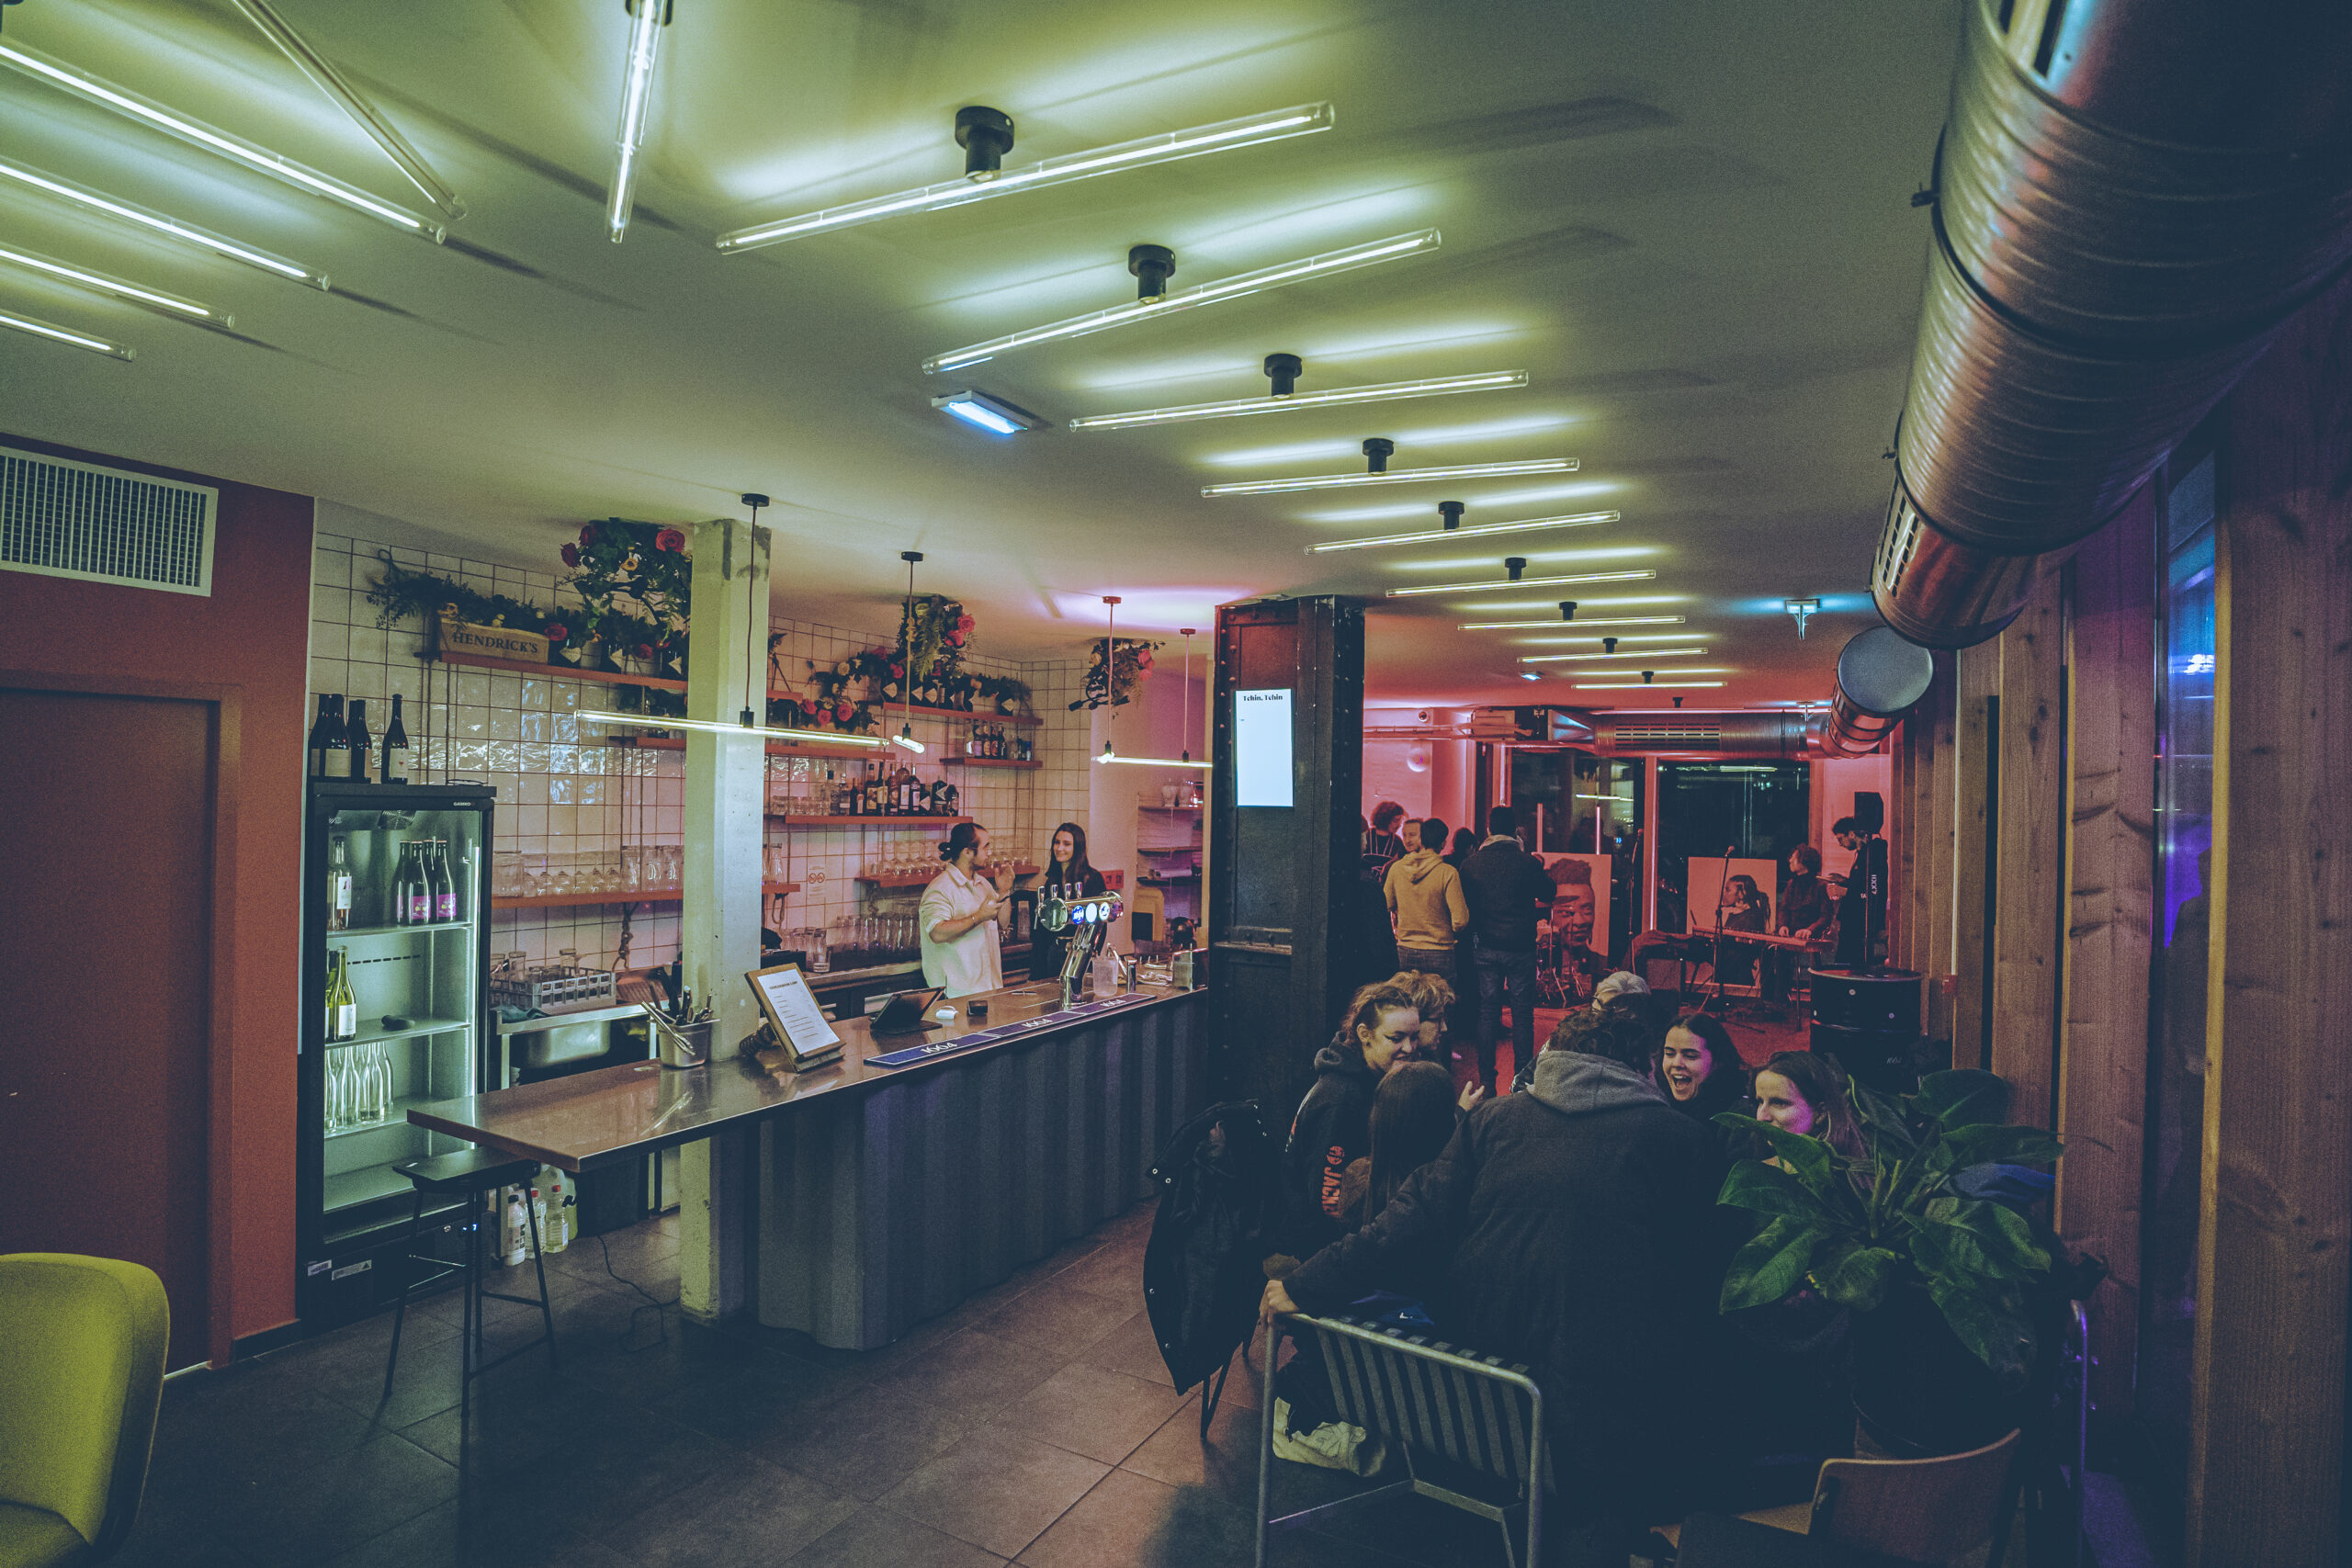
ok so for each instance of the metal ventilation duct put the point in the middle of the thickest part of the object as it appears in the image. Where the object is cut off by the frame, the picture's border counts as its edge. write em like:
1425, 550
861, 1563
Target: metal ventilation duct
1735, 733
2132, 196
1880, 677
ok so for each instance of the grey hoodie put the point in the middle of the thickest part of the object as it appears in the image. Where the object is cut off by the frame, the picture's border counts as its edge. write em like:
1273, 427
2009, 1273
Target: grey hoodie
1578, 1084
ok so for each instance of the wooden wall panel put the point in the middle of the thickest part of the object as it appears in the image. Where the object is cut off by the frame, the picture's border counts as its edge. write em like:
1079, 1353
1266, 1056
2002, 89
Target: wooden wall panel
1975, 740
2028, 842
2267, 1446
2103, 1058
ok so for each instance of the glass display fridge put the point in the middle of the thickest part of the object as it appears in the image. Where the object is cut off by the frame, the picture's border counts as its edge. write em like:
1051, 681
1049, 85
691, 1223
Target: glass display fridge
396, 949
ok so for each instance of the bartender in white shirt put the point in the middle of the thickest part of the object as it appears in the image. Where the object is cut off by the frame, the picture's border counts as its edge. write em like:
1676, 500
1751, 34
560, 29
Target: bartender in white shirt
958, 917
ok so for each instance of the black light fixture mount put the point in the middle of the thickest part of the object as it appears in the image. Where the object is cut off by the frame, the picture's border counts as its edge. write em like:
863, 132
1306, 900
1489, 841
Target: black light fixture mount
1284, 370
1378, 450
1609, 645
1514, 565
1648, 676
1153, 267
1568, 610
986, 136
1452, 511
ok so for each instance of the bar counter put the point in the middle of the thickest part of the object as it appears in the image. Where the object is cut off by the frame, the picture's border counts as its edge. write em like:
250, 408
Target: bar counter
883, 1196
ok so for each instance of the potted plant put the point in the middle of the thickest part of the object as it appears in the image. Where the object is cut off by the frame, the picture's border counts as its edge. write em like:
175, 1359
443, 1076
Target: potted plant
1937, 1276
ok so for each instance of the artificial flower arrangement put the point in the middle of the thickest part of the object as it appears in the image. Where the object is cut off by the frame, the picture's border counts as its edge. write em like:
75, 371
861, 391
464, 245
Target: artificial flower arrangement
636, 587
1113, 674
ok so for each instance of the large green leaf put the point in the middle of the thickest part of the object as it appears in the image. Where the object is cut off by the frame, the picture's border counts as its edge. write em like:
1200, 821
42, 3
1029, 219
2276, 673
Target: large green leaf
1989, 1143
1856, 1276
1772, 1265
1991, 1323
1884, 1118
1807, 1159
1962, 1097
1752, 1184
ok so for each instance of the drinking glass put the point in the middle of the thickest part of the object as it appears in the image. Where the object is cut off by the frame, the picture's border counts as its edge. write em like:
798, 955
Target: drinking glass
632, 867
338, 1090
506, 872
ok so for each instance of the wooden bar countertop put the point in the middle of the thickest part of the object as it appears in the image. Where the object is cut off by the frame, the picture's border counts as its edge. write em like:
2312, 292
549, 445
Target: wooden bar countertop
591, 1119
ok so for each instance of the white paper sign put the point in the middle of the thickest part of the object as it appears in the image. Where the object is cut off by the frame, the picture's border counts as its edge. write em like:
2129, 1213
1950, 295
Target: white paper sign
1262, 761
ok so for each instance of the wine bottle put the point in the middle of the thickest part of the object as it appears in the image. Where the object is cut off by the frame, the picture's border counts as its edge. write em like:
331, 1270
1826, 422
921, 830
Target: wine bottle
338, 888
361, 749
416, 887
335, 754
445, 886
395, 768
320, 728
343, 1008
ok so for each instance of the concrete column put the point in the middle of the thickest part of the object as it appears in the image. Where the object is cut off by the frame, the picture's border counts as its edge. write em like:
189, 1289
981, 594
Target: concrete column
719, 930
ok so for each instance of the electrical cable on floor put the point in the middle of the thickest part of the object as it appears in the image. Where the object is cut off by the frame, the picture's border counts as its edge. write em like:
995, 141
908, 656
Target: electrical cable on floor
659, 1307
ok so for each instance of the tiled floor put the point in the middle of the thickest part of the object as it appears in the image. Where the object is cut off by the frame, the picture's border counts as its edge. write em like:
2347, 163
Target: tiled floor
1034, 1423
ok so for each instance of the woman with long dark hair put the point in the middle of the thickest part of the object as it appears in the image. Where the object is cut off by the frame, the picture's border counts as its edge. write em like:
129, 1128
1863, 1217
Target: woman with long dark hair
1070, 876
1697, 1067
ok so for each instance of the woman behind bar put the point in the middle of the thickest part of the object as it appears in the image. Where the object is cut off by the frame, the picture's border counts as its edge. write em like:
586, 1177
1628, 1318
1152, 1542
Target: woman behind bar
957, 917
1071, 876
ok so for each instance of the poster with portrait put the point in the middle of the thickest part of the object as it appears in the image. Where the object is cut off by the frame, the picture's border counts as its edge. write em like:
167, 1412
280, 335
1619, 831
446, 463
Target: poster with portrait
1579, 918
1704, 891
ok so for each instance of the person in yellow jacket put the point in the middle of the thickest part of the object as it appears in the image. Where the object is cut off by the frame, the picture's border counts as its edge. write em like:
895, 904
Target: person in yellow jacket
1426, 904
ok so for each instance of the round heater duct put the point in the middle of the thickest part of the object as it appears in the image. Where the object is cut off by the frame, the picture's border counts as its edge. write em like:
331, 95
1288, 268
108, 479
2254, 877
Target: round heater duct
1736, 732
1880, 677
2131, 196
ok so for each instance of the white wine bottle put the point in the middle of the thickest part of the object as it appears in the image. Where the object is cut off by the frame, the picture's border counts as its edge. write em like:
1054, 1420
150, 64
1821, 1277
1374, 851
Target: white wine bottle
338, 888
343, 1008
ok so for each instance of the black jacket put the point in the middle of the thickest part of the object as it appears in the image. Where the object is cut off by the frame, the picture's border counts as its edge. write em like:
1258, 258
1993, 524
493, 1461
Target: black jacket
1508, 891
1333, 1127
1574, 1229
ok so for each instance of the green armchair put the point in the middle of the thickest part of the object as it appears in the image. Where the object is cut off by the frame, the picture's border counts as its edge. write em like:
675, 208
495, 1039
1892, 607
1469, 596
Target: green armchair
81, 1344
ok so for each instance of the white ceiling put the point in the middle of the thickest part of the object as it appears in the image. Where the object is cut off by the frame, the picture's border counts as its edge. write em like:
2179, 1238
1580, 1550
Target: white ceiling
1690, 223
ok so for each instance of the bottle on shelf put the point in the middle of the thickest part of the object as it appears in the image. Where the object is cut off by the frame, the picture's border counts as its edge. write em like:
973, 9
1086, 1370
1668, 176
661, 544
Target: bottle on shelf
360, 748
335, 752
395, 764
338, 887
328, 723
413, 888
445, 886
343, 1008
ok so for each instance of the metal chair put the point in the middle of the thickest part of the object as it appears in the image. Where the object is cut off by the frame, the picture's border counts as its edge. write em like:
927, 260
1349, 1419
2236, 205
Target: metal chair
469, 1174
1421, 1396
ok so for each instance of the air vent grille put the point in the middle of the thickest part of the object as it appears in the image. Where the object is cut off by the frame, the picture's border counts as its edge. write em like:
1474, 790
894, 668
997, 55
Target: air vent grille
67, 519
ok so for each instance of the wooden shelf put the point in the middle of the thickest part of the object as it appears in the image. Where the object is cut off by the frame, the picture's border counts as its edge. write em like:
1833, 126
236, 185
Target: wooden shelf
642, 896
868, 822
955, 762
1195, 809
776, 747
925, 878
981, 716
561, 672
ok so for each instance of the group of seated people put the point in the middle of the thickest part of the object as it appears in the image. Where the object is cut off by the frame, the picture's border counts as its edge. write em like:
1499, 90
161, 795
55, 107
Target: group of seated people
1573, 1225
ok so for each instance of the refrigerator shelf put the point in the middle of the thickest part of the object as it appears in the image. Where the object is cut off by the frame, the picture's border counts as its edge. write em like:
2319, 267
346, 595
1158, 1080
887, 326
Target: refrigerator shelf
398, 1118
350, 1189
348, 934
423, 1026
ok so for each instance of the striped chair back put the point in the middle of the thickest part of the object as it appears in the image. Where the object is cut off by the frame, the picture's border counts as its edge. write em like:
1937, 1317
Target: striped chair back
1475, 1411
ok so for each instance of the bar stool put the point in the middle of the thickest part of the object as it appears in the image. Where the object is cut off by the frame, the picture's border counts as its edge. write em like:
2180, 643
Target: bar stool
467, 1175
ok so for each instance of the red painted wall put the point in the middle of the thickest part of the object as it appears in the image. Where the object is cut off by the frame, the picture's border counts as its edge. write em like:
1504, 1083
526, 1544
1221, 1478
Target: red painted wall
253, 633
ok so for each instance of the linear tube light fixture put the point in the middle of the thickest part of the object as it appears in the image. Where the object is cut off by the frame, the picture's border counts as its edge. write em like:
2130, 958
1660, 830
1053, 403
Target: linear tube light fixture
158, 223
1242, 408
1554, 626
1579, 520
1152, 308
721, 726
981, 183
1640, 685
993, 414
1630, 653
328, 80
647, 19
1523, 582
56, 333
1397, 477
104, 283
75, 79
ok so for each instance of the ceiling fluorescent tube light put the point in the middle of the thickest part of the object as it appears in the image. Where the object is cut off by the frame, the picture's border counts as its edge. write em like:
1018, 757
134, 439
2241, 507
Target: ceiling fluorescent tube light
1388, 391
1398, 477
1630, 653
647, 19
328, 80
1107, 755
101, 283
1580, 520
719, 726
1237, 287
1303, 120
174, 123
1555, 626
158, 223
1640, 685
56, 333
1523, 582
990, 413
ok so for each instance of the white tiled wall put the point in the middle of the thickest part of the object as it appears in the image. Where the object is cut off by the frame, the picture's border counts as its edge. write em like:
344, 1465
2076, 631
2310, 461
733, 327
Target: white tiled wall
558, 797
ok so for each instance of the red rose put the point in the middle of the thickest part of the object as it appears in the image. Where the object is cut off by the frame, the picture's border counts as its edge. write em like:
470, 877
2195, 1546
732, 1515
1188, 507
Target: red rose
841, 712
645, 651
808, 706
588, 534
955, 639
572, 555
669, 539
898, 671
556, 634
963, 622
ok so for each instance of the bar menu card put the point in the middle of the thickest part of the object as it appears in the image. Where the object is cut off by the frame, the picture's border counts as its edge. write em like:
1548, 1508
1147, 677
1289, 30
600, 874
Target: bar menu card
795, 1015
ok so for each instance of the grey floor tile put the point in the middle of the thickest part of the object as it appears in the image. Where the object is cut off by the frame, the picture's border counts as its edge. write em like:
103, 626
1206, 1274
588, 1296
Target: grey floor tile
978, 1373
878, 1539
995, 1489
479, 1533
868, 1441
750, 1512
1058, 1319
1103, 1416
1132, 1349
1132, 1522
309, 1516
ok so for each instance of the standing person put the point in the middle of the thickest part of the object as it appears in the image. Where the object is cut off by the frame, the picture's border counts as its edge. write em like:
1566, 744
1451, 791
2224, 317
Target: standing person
1805, 913
1508, 891
1381, 844
1071, 876
1861, 913
1333, 1126
1465, 942
1571, 1227
1426, 904
958, 913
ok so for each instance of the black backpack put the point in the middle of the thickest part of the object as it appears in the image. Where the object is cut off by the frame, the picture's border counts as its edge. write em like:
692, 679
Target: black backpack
1203, 1268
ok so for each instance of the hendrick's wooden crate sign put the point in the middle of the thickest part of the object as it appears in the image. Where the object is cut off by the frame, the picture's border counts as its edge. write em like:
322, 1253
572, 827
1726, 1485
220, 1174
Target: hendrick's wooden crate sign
493, 642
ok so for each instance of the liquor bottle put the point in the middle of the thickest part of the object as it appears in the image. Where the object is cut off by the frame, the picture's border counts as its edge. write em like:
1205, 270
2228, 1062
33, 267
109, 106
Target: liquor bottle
362, 749
326, 724
338, 888
343, 1008
395, 769
416, 887
335, 760
444, 886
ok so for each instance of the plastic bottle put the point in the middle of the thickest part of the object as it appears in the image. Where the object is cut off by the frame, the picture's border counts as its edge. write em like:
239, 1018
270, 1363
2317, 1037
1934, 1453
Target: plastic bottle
517, 1239
539, 1219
